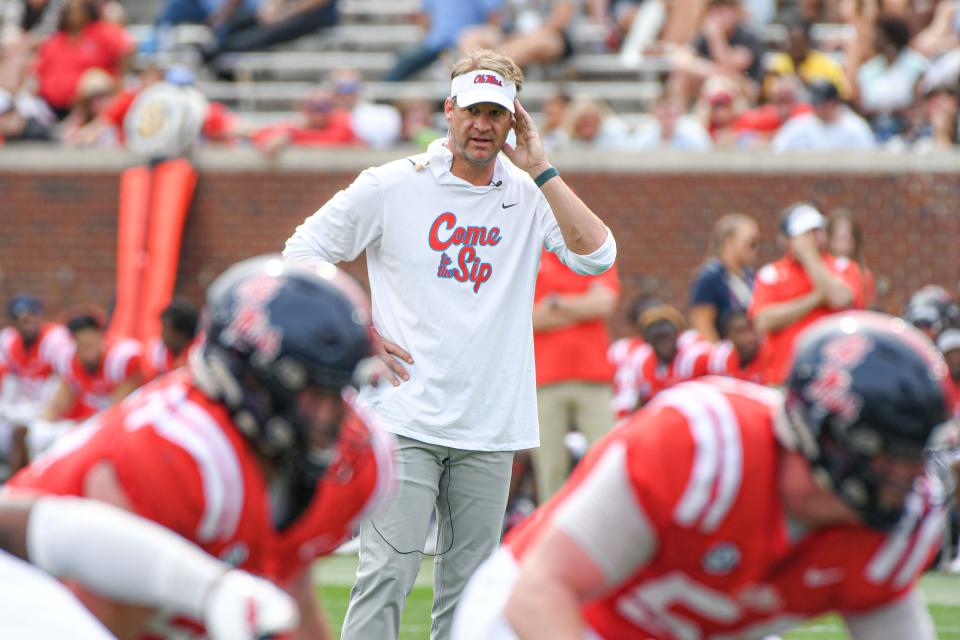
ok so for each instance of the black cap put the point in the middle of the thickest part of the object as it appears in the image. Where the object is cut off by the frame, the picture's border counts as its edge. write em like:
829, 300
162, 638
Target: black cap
823, 91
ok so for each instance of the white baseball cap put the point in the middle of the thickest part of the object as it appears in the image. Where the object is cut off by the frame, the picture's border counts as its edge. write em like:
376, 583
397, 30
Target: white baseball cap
483, 85
802, 218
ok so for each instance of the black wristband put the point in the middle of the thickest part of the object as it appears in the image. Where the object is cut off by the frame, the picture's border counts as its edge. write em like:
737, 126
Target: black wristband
546, 175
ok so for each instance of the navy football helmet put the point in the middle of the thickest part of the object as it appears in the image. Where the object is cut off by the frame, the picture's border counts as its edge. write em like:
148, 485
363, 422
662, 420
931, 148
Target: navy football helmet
863, 385
271, 330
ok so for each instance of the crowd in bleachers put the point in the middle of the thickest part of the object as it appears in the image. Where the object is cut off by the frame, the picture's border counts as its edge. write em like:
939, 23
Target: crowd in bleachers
611, 74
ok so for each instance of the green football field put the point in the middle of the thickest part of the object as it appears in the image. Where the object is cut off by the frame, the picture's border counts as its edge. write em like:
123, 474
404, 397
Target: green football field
335, 574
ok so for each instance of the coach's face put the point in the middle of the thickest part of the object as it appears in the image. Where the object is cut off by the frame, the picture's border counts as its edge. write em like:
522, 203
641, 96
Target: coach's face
477, 132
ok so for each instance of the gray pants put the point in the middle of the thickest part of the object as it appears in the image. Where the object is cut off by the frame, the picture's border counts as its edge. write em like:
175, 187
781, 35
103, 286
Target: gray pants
469, 491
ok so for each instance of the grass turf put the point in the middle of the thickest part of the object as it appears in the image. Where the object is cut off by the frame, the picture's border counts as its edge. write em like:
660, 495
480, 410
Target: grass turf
335, 575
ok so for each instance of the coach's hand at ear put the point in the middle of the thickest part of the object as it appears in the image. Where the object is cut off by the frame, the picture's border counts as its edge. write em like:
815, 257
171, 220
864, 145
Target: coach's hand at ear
528, 154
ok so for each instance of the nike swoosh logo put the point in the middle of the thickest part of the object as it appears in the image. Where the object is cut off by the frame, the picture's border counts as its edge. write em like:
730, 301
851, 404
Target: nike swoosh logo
507, 206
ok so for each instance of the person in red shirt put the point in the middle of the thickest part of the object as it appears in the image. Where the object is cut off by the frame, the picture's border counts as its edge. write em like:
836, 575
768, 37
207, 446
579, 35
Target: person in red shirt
30, 350
83, 41
169, 350
570, 342
845, 240
255, 451
320, 124
784, 103
723, 510
807, 283
96, 375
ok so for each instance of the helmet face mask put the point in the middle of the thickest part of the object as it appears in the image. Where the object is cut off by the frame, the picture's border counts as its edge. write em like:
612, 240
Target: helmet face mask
869, 393
275, 336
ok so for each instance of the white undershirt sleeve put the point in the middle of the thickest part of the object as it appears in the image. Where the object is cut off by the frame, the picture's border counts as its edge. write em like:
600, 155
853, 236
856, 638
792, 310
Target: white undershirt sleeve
907, 617
593, 263
342, 228
119, 555
606, 520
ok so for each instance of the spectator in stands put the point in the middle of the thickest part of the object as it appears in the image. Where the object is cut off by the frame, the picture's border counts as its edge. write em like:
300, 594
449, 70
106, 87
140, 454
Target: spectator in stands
831, 127
724, 47
216, 14
86, 126
720, 106
937, 129
272, 22
320, 124
219, 125
591, 123
943, 32
378, 125
801, 59
807, 283
24, 117
418, 122
725, 281
534, 32
757, 126
571, 339
845, 240
82, 41
887, 82
554, 112
444, 23
668, 127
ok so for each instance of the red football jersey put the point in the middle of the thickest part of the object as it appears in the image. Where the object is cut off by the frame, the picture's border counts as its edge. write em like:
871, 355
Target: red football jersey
36, 363
640, 375
159, 359
182, 463
724, 360
122, 359
698, 472
623, 355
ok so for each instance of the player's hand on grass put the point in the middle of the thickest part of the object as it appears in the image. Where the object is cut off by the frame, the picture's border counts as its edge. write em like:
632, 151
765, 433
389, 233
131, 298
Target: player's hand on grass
391, 354
240, 606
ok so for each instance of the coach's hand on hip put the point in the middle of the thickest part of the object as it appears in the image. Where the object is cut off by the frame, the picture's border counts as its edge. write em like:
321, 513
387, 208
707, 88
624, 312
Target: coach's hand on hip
391, 354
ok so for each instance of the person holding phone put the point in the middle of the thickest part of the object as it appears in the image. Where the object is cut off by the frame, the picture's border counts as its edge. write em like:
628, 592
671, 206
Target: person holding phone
453, 238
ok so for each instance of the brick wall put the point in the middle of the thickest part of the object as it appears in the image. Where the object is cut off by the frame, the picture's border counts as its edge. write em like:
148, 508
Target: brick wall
58, 228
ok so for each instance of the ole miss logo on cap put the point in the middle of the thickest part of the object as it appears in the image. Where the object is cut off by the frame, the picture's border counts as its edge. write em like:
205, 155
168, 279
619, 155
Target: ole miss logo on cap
487, 78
